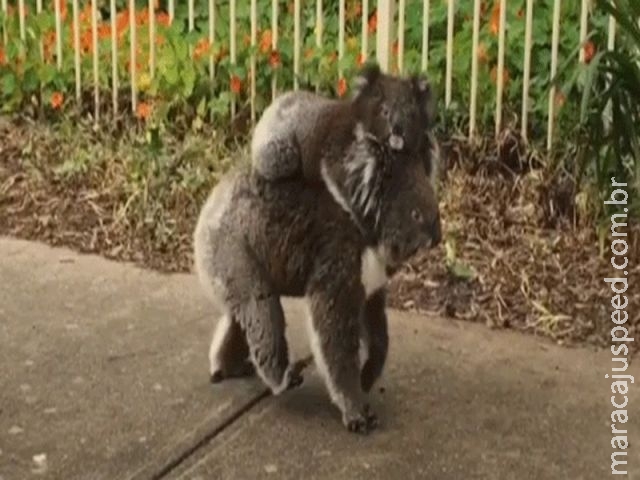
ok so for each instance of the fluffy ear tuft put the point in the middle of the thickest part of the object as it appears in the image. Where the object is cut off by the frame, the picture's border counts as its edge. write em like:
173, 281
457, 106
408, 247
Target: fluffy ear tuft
366, 78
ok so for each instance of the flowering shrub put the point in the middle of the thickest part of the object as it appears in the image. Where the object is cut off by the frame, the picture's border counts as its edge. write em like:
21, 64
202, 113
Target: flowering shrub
182, 82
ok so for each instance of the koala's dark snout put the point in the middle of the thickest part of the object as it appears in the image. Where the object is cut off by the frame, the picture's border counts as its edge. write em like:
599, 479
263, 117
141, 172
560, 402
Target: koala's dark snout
396, 129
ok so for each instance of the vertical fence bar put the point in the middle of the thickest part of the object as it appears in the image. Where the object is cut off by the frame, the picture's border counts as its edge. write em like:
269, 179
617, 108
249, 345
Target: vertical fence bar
254, 41
401, 13
424, 63
191, 19
555, 36
40, 44
341, 26
114, 57
96, 71
5, 37
500, 74
132, 37
611, 42
172, 11
449, 71
152, 38
274, 43
319, 28
58, 18
232, 44
76, 49
528, 41
584, 19
296, 43
365, 30
474, 68
212, 38
21, 15
384, 17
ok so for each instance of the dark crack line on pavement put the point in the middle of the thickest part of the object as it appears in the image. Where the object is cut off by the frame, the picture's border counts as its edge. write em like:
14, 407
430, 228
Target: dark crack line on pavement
208, 437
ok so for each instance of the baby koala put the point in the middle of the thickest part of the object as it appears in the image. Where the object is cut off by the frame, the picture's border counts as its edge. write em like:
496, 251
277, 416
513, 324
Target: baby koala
300, 128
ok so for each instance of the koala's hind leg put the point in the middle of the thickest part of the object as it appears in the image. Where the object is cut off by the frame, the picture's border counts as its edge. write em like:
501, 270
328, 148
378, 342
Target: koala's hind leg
334, 331
262, 318
229, 352
374, 325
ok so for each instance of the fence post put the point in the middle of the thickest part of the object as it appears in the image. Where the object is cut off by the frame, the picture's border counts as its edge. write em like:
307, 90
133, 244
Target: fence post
385, 14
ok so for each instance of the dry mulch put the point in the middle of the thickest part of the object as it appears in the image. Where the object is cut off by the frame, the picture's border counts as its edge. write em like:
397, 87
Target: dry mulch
516, 255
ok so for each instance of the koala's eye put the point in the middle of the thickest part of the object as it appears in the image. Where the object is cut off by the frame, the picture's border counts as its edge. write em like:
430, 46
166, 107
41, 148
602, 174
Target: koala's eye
384, 111
416, 215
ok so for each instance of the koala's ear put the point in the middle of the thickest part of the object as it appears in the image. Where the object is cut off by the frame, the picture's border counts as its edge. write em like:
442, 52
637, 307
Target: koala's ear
366, 78
424, 95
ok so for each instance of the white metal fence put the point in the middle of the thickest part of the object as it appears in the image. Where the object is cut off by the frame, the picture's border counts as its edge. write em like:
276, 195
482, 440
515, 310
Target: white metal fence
388, 32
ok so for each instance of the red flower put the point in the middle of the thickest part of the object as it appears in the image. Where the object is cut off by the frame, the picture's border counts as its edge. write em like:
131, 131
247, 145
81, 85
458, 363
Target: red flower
163, 19
494, 24
236, 84
143, 111
202, 48
3, 57
274, 59
373, 22
589, 51
56, 100
360, 59
342, 87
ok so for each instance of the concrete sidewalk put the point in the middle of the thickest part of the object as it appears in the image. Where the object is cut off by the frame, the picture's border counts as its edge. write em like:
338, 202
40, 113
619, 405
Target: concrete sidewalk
103, 375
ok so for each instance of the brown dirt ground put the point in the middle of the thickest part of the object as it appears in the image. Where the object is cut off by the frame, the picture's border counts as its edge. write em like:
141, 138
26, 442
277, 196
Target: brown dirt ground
516, 255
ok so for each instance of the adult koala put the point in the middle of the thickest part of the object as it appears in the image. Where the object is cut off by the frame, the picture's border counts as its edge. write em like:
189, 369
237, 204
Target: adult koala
256, 241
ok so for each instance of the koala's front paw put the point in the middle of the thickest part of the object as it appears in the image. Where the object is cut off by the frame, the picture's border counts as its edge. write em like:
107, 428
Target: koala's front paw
361, 422
245, 369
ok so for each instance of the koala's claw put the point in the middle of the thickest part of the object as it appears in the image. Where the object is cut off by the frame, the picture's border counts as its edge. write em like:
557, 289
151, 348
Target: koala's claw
245, 370
361, 423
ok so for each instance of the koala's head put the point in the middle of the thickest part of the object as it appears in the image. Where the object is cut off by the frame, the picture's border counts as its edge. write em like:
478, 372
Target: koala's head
397, 111
410, 215
392, 196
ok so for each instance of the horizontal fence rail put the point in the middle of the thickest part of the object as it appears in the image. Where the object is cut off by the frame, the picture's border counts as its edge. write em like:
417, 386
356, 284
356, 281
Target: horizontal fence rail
248, 51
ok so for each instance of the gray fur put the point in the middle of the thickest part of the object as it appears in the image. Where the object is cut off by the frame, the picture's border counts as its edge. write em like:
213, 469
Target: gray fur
301, 128
256, 241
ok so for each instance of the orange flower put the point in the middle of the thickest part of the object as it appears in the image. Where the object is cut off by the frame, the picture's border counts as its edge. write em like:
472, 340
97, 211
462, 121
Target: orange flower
202, 48
56, 100
236, 84
163, 19
589, 51
342, 87
274, 59
309, 53
360, 59
559, 99
265, 41
143, 111
85, 14
142, 17
3, 57
159, 40
104, 31
482, 53
394, 48
494, 24
494, 75
373, 22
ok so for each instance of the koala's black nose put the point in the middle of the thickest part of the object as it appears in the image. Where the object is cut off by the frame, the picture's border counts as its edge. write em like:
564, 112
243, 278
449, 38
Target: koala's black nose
396, 129
436, 231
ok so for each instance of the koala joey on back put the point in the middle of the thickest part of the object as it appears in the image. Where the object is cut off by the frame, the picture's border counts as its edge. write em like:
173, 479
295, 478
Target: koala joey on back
300, 128
258, 240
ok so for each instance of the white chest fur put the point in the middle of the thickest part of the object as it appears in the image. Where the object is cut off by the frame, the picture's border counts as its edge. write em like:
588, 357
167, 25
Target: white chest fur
373, 272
